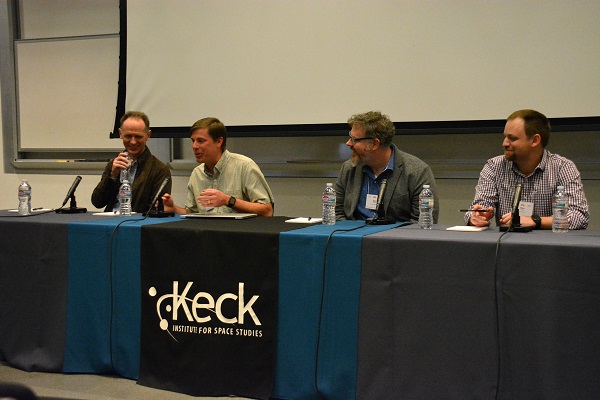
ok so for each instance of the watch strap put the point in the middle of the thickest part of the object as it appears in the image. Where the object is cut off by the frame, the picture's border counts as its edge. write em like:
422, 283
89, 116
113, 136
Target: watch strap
538, 221
231, 202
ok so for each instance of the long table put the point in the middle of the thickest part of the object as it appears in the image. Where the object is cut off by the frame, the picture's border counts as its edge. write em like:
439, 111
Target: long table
479, 315
69, 292
387, 312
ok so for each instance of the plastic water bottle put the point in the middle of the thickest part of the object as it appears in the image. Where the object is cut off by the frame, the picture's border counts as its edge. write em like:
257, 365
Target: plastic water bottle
329, 205
560, 207
24, 198
125, 172
125, 198
426, 202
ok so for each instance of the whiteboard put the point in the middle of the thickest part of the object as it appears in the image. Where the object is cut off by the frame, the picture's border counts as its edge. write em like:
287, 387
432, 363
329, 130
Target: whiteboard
67, 93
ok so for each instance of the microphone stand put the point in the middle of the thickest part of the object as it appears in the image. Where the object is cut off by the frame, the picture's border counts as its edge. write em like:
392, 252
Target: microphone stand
159, 212
73, 209
381, 219
515, 224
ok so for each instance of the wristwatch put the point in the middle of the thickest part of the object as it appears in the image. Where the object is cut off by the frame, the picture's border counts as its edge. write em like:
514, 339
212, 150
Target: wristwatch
231, 202
538, 221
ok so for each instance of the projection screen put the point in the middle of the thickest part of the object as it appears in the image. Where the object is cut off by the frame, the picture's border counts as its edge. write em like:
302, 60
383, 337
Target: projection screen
277, 62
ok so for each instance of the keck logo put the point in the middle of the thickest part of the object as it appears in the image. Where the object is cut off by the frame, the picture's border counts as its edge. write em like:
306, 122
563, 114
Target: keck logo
184, 313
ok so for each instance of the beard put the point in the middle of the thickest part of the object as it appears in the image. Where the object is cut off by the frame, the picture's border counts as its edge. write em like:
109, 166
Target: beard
354, 159
509, 155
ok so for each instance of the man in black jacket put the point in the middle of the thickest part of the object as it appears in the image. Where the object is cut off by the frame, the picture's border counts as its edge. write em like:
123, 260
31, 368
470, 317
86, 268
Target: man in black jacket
147, 172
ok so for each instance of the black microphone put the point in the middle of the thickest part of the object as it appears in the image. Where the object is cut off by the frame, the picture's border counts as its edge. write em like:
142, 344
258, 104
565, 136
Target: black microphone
71, 191
380, 218
380, 197
160, 212
516, 219
73, 209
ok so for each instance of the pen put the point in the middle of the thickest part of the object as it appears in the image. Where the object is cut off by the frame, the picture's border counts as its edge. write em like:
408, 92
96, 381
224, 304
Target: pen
37, 208
479, 210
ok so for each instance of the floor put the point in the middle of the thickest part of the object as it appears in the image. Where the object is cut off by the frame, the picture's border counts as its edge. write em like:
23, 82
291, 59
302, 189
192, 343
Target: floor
89, 387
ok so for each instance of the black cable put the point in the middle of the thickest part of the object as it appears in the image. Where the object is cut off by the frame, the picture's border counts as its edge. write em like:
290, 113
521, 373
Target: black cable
321, 304
110, 281
497, 311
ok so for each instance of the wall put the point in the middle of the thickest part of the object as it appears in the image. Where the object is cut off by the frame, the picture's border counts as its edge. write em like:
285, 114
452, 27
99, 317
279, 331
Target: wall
455, 159
300, 196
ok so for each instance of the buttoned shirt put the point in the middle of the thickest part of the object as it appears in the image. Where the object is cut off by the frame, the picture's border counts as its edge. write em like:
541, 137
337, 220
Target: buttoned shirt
235, 175
371, 185
499, 177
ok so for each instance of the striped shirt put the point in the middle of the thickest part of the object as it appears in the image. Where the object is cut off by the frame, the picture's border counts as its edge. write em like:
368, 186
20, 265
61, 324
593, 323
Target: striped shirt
499, 177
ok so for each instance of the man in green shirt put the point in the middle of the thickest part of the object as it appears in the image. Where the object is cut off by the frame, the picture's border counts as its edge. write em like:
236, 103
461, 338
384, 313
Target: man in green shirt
224, 182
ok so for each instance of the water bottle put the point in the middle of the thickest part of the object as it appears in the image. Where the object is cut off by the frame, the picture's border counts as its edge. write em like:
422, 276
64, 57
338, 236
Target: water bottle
426, 202
125, 171
329, 205
24, 198
125, 198
560, 207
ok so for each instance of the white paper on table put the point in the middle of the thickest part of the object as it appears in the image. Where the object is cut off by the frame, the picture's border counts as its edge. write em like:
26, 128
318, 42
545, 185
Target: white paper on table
110, 214
304, 220
467, 228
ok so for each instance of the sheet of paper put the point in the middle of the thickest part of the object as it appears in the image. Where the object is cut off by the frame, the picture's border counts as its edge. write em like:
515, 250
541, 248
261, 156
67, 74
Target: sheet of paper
304, 220
110, 214
467, 228
34, 210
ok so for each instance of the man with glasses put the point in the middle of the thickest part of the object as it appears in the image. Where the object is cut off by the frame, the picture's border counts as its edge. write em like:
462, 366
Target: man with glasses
375, 158
146, 172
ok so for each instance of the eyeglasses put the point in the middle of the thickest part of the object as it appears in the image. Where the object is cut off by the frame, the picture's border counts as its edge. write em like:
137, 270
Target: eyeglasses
354, 140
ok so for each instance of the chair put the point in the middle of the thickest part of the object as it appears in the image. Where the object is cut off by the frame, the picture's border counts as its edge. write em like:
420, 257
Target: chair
16, 391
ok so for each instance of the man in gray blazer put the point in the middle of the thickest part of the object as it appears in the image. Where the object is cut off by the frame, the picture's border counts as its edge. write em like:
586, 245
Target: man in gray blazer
375, 158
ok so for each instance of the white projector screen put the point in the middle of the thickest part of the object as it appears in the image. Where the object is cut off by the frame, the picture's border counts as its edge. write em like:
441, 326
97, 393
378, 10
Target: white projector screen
278, 62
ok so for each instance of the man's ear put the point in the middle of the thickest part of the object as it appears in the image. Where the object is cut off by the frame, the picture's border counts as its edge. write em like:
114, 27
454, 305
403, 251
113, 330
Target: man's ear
375, 143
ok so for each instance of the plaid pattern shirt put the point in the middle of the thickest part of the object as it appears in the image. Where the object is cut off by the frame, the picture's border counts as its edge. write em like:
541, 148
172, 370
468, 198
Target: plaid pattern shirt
499, 176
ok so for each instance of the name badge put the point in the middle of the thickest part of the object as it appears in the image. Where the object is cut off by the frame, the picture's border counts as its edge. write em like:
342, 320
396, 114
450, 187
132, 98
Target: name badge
371, 201
526, 208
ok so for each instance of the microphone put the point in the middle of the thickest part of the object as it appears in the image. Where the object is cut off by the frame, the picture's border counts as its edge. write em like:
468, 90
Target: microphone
72, 190
380, 197
157, 197
515, 222
73, 209
380, 219
516, 219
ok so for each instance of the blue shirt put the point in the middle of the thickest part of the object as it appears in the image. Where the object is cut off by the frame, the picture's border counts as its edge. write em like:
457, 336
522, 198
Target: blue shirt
371, 185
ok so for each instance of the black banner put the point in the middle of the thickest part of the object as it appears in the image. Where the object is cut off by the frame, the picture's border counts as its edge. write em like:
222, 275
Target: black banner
209, 306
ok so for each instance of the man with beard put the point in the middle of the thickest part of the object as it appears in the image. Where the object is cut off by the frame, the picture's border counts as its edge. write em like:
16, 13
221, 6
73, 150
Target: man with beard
375, 158
526, 161
224, 182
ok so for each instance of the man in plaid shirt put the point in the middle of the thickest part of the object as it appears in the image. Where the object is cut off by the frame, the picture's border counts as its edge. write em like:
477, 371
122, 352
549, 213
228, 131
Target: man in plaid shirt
526, 161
